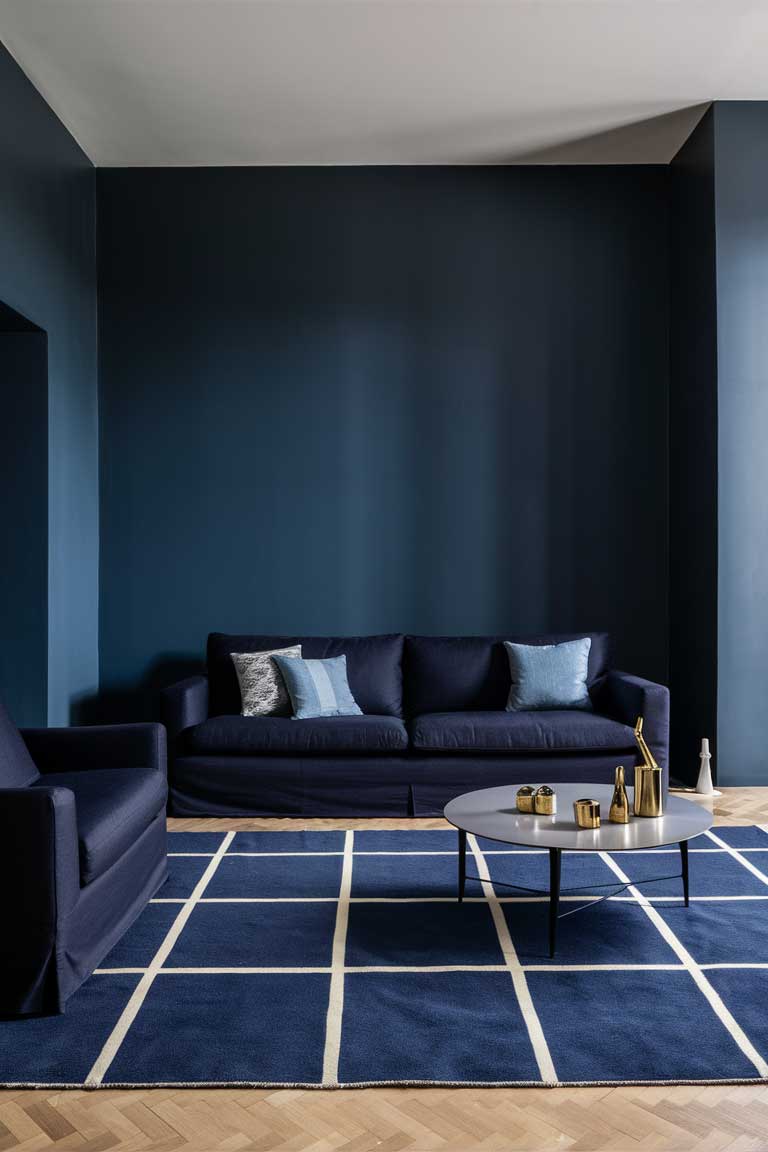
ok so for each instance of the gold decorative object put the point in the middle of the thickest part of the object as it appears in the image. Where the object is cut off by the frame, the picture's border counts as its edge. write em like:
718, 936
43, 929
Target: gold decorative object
619, 811
587, 813
545, 801
647, 779
525, 798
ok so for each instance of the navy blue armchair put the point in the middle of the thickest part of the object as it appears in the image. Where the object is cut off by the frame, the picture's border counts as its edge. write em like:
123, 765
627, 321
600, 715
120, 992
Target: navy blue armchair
82, 850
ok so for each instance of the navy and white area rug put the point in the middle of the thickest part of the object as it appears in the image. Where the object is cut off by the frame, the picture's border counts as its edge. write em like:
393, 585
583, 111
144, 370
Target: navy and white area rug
342, 958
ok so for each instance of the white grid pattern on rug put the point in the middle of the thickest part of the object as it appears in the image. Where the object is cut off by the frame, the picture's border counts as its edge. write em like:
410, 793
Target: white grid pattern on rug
751, 858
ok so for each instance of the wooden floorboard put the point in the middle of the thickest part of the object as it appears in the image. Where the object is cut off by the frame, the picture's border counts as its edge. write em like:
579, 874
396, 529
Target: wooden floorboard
707, 1119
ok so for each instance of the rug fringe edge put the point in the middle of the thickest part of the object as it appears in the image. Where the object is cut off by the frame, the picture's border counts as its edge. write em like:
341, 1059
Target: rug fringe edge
314, 1086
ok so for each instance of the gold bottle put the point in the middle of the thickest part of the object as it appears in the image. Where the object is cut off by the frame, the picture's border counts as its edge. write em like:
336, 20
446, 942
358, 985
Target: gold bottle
619, 810
648, 800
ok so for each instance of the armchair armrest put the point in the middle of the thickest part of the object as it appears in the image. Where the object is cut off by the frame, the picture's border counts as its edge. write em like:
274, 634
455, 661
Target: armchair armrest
40, 884
99, 746
624, 697
185, 704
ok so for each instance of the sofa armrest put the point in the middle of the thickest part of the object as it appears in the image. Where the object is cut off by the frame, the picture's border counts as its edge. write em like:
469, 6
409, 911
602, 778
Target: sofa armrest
40, 884
99, 746
185, 704
624, 697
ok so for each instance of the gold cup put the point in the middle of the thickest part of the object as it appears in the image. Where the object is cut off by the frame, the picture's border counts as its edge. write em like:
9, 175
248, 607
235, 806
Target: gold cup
648, 798
545, 801
587, 813
525, 798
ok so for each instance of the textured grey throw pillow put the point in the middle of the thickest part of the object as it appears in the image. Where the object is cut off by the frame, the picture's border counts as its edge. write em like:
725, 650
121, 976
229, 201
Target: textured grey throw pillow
262, 688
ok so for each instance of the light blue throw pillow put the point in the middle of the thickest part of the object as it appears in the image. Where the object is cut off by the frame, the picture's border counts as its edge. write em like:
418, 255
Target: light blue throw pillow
317, 687
548, 675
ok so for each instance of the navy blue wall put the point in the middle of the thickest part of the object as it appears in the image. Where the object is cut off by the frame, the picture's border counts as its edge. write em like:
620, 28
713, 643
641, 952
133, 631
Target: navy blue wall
741, 179
351, 400
48, 274
693, 456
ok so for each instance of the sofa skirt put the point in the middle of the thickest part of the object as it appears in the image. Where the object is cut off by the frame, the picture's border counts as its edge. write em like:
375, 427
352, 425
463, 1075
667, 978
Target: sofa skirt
413, 785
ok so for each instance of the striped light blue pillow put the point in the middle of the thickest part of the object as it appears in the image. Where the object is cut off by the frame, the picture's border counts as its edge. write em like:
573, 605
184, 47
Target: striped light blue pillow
317, 687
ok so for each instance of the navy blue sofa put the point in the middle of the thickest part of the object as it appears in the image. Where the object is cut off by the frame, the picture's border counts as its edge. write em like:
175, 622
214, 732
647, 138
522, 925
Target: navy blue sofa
434, 726
83, 845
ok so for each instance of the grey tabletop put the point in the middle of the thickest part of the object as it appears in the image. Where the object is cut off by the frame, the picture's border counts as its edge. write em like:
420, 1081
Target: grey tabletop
492, 812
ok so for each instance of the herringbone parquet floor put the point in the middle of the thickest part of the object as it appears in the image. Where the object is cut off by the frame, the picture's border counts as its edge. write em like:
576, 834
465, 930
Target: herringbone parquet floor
707, 1119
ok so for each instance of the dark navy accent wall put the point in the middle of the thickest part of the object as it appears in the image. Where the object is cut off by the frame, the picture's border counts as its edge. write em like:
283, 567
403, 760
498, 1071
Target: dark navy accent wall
741, 176
351, 400
693, 455
48, 274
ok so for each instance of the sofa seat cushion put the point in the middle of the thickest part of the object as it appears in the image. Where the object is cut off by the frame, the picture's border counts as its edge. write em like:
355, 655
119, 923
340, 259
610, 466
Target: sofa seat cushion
113, 807
553, 731
327, 734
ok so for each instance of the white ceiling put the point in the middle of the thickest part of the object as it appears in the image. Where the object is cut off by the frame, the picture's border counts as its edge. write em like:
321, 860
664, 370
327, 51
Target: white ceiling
216, 82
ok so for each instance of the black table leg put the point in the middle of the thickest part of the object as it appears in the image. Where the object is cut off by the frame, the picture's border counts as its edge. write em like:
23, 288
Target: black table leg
684, 869
462, 863
554, 896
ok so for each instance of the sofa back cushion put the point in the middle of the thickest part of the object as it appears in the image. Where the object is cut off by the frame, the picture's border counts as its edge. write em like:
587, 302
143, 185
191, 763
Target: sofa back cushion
471, 673
374, 667
17, 768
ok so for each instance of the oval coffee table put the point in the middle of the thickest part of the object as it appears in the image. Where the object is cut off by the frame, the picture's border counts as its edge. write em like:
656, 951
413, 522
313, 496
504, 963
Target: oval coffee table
492, 813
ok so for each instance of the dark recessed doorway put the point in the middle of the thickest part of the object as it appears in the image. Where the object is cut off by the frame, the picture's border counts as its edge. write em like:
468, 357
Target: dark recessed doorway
23, 518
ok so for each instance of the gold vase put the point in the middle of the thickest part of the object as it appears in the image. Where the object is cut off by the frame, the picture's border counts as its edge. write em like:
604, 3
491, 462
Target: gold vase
648, 799
619, 810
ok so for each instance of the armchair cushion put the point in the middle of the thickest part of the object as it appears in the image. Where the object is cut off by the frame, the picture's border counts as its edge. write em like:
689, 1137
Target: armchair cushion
17, 768
560, 731
113, 807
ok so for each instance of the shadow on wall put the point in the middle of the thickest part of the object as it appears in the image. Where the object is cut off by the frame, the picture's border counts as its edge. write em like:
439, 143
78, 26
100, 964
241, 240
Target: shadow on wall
640, 141
138, 701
